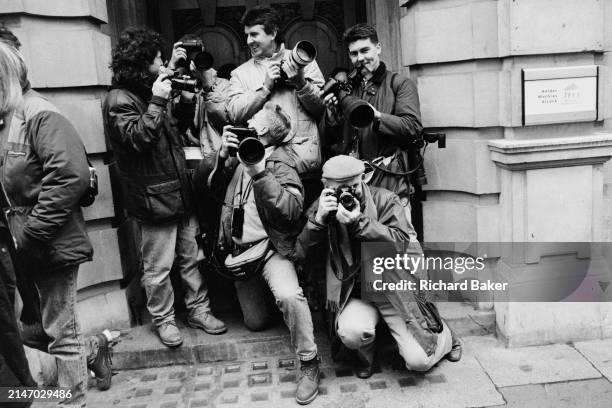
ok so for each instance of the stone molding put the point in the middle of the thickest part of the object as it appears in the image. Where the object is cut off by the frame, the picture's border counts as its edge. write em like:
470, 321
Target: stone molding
518, 155
92, 9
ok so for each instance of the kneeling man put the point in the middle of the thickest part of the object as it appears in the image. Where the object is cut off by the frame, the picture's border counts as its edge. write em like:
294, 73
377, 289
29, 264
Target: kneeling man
377, 215
262, 204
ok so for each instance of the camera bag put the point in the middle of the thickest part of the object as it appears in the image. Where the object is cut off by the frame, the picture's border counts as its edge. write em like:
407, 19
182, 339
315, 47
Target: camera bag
250, 262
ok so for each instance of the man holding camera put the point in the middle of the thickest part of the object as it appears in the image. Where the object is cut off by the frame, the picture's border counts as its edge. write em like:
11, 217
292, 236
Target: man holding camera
273, 74
157, 190
348, 213
263, 201
395, 103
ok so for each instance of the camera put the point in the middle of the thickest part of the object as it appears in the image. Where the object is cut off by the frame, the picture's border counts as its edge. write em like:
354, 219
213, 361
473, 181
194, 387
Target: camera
358, 112
415, 157
302, 54
184, 83
346, 197
250, 148
196, 52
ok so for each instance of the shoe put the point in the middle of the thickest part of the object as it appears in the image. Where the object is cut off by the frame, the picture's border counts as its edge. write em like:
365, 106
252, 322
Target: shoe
170, 334
456, 350
308, 386
102, 364
207, 322
35, 337
364, 367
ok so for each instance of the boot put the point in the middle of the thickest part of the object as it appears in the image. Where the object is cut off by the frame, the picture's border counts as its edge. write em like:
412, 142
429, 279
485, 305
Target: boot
102, 364
207, 322
454, 354
308, 386
169, 334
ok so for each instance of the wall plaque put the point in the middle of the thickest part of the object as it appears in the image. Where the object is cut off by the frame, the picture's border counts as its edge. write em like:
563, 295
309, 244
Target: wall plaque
559, 95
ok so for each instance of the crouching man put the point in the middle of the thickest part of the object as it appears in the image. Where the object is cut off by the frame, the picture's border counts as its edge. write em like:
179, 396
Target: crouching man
262, 205
377, 216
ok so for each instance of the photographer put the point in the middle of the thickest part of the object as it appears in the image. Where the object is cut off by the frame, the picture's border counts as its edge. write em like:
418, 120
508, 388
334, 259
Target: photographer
395, 102
203, 111
148, 147
263, 202
366, 214
260, 79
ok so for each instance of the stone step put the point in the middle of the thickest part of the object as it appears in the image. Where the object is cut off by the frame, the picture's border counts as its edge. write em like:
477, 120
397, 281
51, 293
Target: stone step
140, 347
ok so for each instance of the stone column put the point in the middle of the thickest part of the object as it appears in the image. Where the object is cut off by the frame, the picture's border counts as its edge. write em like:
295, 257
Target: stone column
552, 191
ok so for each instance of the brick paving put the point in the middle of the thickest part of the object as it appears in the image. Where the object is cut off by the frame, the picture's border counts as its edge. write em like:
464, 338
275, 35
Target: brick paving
271, 382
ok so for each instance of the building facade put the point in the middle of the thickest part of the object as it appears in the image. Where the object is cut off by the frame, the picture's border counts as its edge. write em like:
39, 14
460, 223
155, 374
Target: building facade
496, 181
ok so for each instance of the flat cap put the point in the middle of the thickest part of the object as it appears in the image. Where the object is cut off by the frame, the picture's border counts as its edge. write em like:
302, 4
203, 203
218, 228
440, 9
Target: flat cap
340, 168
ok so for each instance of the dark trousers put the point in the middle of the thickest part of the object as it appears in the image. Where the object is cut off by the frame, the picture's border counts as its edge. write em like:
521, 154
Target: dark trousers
14, 369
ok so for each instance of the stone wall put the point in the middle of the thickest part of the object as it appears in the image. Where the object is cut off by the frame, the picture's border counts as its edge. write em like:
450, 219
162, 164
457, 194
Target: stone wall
466, 57
68, 55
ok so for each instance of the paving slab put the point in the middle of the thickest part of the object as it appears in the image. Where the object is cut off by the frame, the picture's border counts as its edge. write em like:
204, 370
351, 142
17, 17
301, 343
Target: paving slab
599, 353
533, 365
584, 393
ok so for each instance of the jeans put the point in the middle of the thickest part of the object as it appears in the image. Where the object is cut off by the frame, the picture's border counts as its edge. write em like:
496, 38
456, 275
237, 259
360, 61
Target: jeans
160, 243
57, 293
356, 326
280, 276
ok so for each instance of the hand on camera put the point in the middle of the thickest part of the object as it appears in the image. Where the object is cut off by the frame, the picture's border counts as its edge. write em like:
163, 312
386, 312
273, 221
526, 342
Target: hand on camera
376, 112
229, 141
207, 77
253, 169
178, 53
331, 106
273, 72
162, 86
347, 217
295, 72
328, 203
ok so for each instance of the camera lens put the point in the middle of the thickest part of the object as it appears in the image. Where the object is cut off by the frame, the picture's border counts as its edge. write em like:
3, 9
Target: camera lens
347, 200
251, 150
203, 60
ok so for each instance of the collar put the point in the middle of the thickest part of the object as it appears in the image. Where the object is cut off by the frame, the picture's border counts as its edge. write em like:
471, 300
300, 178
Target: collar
379, 74
277, 56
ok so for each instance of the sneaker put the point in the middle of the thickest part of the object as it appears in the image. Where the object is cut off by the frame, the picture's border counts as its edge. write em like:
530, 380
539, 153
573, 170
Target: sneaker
102, 364
308, 386
207, 322
170, 334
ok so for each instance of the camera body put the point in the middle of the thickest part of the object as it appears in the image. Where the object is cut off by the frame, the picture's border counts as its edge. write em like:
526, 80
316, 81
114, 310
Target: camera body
250, 148
184, 83
196, 52
346, 197
358, 112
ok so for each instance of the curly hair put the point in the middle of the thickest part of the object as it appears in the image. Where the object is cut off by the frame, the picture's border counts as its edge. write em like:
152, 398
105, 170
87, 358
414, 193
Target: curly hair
134, 53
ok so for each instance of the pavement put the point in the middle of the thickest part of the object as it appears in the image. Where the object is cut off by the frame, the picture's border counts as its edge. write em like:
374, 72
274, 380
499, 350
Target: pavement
259, 370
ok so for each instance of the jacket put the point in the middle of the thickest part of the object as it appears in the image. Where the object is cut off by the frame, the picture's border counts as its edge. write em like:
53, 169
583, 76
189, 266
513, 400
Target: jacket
247, 96
396, 98
45, 173
386, 223
279, 197
149, 151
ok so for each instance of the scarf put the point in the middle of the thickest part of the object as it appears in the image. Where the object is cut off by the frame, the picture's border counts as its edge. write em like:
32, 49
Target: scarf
344, 261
